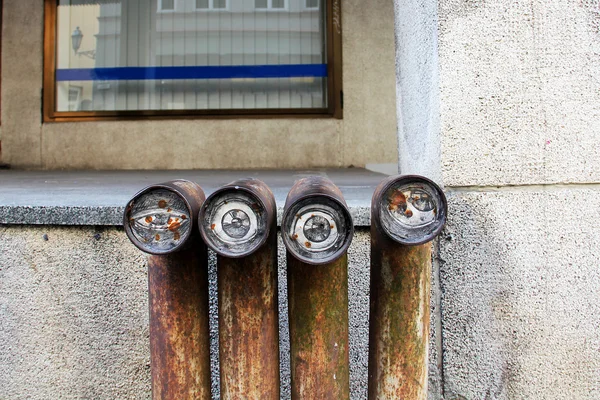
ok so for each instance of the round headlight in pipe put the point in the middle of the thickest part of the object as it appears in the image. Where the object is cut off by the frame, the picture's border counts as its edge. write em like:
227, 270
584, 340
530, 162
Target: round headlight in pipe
160, 218
411, 209
236, 219
316, 227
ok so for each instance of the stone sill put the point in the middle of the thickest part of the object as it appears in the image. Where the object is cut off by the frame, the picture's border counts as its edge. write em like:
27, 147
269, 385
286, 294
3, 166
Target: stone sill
99, 197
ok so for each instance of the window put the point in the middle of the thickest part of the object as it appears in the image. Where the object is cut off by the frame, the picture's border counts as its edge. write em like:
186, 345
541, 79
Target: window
311, 4
211, 4
74, 97
270, 4
166, 5
131, 59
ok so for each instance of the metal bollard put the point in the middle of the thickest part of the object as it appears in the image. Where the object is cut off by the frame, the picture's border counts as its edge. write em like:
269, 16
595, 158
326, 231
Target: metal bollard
407, 212
239, 223
317, 229
160, 220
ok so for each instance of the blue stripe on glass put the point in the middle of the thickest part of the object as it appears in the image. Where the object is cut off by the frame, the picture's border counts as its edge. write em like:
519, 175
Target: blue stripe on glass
205, 72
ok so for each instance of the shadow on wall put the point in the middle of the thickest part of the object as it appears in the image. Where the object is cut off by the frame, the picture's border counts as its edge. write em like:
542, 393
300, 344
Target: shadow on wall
473, 283
519, 295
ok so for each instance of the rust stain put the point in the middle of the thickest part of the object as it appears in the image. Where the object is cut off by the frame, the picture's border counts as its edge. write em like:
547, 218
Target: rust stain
399, 318
318, 307
174, 226
295, 236
148, 219
248, 324
157, 237
307, 244
169, 221
408, 213
179, 332
176, 236
169, 209
397, 200
162, 203
183, 217
331, 226
213, 226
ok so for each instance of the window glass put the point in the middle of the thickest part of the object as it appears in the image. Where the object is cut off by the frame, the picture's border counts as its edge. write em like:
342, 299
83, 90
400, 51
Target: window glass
278, 3
312, 3
261, 3
201, 3
167, 4
127, 56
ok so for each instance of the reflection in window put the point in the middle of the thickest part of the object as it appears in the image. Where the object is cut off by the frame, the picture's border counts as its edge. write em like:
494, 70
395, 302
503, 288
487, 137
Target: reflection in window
244, 58
312, 3
166, 5
270, 4
211, 4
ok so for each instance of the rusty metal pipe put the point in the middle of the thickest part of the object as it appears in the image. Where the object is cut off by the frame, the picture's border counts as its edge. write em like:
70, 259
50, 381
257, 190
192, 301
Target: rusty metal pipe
406, 213
317, 229
239, 223
161, 220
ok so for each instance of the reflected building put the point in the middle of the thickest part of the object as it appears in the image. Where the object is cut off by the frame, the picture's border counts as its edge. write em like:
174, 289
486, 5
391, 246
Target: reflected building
196, 54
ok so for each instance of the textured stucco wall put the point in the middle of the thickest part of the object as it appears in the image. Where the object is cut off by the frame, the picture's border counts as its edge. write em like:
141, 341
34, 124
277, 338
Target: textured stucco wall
520, 134
74, 319
362, 136
520, 283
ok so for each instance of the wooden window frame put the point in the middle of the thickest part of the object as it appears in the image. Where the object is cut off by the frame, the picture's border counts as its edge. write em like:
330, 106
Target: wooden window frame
333, 35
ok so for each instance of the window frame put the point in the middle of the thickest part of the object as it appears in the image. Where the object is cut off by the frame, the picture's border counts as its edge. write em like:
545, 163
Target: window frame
306, 7
334, 108
159, 8
270, 8
211, 7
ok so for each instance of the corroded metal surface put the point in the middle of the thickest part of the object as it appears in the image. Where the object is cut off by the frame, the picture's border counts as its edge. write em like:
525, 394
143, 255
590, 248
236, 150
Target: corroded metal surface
260, 204
399, 314
179, 332
410, 209
177, 286
176, 225
330, 207
248, 310
248, 324
318, 310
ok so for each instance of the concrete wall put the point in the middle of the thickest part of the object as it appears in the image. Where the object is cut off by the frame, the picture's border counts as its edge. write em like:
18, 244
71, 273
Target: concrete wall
361, 137
517, 264
74, 314
520, 130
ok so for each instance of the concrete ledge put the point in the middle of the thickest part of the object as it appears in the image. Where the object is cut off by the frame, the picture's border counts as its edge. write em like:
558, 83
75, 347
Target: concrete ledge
99, 197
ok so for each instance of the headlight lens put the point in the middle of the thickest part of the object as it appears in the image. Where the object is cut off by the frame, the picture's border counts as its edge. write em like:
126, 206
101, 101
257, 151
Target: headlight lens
234, 223
412, 210
316, 229
159, 221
